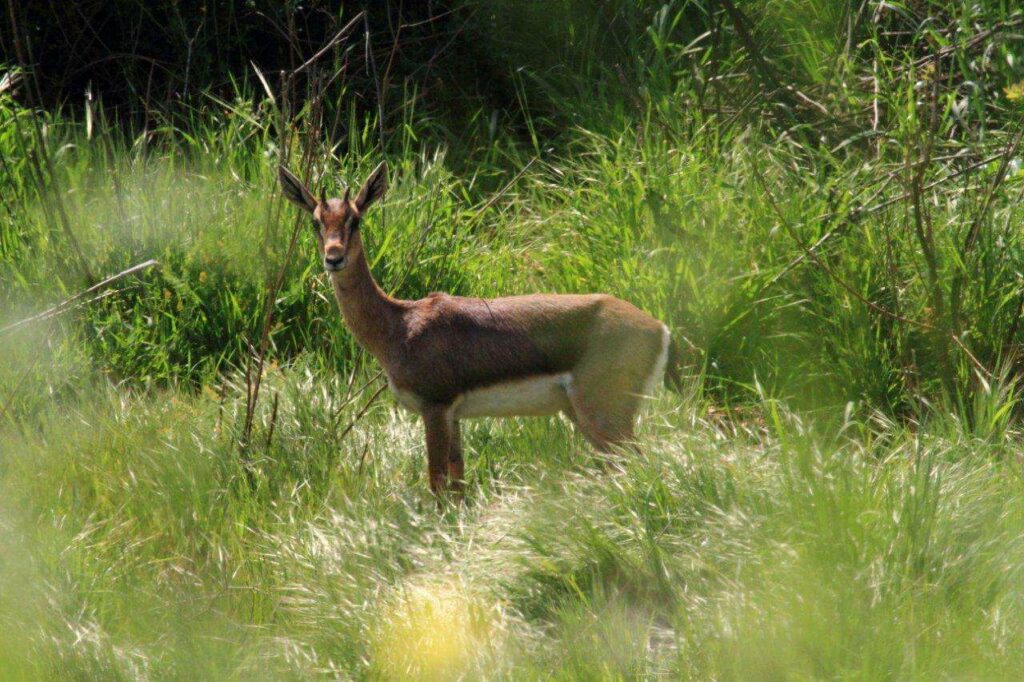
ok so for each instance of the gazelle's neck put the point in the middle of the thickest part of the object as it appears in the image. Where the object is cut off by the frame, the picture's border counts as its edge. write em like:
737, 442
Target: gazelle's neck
371, 315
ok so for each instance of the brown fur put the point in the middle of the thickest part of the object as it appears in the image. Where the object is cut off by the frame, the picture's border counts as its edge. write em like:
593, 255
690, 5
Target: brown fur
441, 348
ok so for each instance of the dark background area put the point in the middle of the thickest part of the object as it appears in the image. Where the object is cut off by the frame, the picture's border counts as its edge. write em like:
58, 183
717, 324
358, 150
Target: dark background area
145, 59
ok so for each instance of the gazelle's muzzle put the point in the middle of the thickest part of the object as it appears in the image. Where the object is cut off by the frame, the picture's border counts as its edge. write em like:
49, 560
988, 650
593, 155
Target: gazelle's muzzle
334, 256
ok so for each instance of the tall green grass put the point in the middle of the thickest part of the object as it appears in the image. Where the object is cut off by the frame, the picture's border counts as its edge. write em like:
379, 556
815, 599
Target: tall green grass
732, 547
835, 494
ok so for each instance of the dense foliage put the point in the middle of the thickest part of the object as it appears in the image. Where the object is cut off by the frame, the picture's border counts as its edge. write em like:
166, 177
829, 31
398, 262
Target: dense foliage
822, 199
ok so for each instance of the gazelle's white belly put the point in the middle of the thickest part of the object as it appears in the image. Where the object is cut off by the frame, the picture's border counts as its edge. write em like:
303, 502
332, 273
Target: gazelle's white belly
534, 396
406, 399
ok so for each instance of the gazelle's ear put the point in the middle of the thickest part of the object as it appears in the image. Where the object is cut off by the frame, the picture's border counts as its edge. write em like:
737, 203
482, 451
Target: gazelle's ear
373, 188
294, 191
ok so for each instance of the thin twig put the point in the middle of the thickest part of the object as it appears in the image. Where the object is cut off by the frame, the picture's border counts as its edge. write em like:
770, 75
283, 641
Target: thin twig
362, 412
501, 192
273, 422
362, 459
331, 43
63, 305
355, 394
376, 81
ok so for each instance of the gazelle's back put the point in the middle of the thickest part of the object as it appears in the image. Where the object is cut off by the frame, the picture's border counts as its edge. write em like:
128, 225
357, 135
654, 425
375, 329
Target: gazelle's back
459, 344
559, 324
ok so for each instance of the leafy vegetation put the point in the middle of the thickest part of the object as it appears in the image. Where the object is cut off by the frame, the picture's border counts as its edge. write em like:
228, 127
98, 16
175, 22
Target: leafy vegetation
200, 478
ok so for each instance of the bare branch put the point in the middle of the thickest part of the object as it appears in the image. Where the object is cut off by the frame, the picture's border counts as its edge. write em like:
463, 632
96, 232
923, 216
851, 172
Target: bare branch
64, 305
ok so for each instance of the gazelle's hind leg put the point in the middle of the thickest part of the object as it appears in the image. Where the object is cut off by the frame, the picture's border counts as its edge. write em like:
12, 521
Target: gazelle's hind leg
605, 419
438, 427
607, 390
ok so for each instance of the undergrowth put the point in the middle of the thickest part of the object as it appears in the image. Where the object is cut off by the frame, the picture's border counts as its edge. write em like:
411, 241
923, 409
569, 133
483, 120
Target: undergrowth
820, 199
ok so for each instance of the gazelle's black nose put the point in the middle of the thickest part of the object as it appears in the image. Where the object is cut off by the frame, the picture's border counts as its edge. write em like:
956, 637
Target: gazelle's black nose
334, 262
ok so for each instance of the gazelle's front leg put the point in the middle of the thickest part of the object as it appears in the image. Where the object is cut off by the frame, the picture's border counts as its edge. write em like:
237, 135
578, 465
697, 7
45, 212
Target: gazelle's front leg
439, 428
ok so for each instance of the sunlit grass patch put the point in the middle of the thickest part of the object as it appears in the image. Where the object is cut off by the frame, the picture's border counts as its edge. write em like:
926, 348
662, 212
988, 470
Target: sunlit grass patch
434, 629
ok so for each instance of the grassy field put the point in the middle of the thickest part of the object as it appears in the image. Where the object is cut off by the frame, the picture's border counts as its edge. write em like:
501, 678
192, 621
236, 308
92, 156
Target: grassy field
835, 493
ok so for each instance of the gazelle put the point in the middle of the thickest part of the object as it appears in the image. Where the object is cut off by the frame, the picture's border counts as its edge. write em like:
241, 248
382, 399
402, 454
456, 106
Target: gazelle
593, 357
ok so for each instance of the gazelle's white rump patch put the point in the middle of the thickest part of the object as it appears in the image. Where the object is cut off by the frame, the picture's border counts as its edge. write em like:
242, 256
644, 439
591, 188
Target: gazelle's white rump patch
658, 371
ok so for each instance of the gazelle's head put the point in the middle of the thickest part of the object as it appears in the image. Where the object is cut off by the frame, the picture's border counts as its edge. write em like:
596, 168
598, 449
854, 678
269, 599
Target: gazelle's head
336, 221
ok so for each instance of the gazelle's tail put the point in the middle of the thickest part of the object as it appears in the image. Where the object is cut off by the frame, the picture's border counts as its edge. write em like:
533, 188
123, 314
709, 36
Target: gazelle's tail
674, 367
